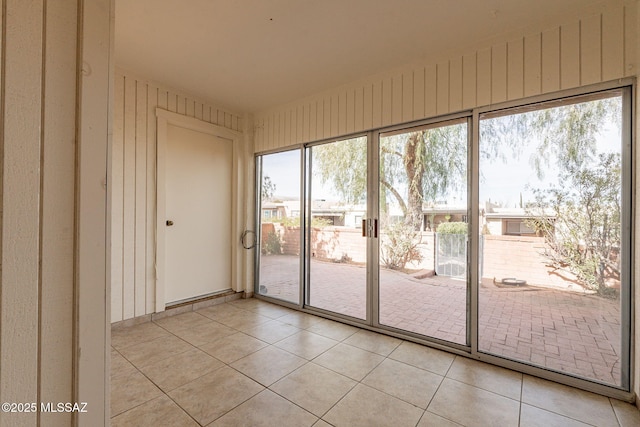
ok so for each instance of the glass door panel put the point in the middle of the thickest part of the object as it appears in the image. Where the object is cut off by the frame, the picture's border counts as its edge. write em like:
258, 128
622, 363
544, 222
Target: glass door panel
423, 230
551, 244
280, 231
337, 204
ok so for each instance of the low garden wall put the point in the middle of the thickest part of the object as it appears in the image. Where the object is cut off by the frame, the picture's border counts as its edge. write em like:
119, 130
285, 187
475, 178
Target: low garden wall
503, 256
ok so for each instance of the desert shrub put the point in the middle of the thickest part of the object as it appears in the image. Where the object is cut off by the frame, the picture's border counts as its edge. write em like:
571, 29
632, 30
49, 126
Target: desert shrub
400, 246
272, 244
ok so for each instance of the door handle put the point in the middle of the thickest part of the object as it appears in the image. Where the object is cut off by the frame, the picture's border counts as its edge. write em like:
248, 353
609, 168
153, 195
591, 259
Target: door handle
375, 228
169, 223
364, 228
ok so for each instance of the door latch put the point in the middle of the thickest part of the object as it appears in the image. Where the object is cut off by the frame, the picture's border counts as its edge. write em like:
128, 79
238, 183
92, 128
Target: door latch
169, 223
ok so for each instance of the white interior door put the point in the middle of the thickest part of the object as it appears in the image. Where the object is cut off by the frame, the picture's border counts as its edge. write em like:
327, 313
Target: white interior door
198, 214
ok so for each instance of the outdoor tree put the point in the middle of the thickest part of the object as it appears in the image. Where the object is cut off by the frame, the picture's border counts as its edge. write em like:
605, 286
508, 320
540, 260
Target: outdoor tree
415, 168
584, 235
579, 216
421, 167
268, 188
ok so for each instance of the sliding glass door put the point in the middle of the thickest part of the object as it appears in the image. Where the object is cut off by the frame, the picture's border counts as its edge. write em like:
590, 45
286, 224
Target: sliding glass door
554, 238
280, 232
501, 232
423, 217
337, 202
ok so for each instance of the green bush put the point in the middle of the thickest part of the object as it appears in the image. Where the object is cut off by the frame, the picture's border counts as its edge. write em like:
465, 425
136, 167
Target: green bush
272, 244
452, 228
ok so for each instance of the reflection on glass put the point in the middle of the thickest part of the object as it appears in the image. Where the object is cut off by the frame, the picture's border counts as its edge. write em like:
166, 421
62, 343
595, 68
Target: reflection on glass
423, 223
550, 212
337, 249
280, 233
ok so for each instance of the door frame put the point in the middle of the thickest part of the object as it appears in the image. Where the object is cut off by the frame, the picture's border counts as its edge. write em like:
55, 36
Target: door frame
165, 118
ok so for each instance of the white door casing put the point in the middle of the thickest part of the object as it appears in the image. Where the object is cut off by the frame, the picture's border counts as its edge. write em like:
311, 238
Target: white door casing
183, 256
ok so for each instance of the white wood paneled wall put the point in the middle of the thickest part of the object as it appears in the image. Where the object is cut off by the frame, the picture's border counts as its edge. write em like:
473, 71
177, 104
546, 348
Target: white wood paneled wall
133, 187
591, 49
53, 145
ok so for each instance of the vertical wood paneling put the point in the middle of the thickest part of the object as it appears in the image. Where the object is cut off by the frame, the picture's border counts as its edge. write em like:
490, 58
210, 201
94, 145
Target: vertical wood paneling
483, 78
377, 104
532, 65
57, 228
129, 203
262, 128
327, 117
455, 84
150, 272
430, 90
570, 55
20, 206
418, 93
278, 126
499, 73
300, 123
515, 69
117, 198
367, 116
469, 73
172, 101
551, 60
320, 121
94, 125
279, 139
631, 40
442, 89
612, 44
590, 54
350, 110
387, 101
44, 210
407, 96
276, 133
342, 113
181, 104
286, 127
267, 131
358, 121
141, 200
191, 108
162, 99
228, 121
313, 120
306, 115
396, 98
334, 109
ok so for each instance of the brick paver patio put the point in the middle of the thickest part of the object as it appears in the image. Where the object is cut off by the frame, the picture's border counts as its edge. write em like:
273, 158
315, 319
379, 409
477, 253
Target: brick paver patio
566, 331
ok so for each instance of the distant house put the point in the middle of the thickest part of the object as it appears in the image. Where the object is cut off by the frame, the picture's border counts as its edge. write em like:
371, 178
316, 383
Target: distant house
273, 210
501, 221
332, 212
435, 215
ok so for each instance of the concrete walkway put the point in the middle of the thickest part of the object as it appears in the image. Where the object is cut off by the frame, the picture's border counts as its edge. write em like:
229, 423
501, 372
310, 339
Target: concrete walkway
565, 331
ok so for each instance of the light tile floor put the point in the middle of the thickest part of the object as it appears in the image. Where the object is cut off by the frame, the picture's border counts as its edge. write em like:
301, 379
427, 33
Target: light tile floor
252, 363
564, 331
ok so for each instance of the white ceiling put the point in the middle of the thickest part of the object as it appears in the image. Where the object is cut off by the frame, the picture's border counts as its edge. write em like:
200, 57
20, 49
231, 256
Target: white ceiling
248, 55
